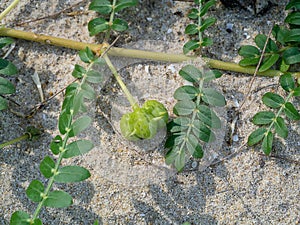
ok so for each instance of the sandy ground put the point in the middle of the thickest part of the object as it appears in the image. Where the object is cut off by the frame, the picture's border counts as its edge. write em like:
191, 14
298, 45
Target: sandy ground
247, 188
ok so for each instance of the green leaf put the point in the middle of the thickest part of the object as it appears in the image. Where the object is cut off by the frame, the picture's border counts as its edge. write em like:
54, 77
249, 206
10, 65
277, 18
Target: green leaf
78, 148
191, 143
183, 108
283, 66
58, 199
94, 76
292, 36
207, 23
180, 160
190, 45
70, 174
296, 91
98, 25
280, 127
291, 112
211, 75
213, 97
101, 6
190, 73
293, 4
63, 122
206, 42
265, 117
249, 51
171, 155
5, 41
87, 92
6, 87
273, 100
35, 191
87, 55
267, 143
191, 29
78, 71
3, 103
208, 117
287, 82
47, 167
7, 68
256, 136
293, 18
198, 153
252, 61
119, 25
79, 125
291, 55
23, 218
194, 14
203, 132
206, 7
260, 41
122, 4
269, 62
55, 144
186, 92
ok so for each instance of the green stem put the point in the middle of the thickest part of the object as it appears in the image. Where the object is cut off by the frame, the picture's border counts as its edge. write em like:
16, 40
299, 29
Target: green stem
200, 22
111, 20
8, 9
127, 93
132, 53
13, 141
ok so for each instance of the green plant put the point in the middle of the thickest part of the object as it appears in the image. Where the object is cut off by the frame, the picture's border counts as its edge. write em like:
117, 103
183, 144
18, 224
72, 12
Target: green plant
70, 125
195, 117
273, 122
283, 52
6, 68
200, 25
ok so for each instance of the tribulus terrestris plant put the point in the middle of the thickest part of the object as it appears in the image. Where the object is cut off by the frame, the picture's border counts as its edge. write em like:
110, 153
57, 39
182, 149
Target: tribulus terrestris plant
195, 116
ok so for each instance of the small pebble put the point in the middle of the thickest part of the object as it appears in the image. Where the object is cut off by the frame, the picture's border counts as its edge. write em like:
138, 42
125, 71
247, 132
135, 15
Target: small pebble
229, 27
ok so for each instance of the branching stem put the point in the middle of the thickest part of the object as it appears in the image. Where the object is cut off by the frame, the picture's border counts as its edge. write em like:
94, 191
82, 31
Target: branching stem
133, 53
